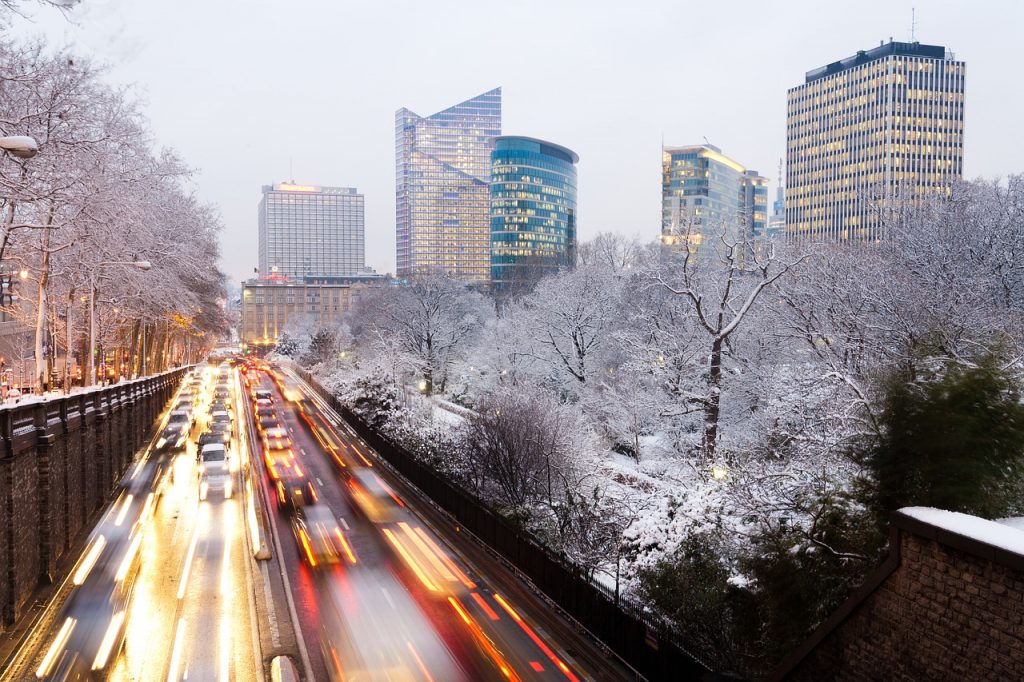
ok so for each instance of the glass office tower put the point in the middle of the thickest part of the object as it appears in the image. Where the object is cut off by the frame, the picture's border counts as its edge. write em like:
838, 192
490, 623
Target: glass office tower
442, 196
867, 133
704, 193
309, 231
533, 211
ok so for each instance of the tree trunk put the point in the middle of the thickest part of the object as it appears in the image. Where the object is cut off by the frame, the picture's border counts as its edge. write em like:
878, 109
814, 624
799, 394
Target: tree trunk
69, 346
44, 277
712, 406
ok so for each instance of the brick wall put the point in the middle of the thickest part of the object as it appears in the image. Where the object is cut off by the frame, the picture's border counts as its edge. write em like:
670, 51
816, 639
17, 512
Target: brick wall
59, 462
948, 604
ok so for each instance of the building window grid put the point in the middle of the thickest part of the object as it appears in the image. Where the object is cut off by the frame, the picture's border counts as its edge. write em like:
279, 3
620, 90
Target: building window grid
922, 120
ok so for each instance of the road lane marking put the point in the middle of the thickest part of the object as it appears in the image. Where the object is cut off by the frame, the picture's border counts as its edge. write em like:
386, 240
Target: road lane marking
343, 522
319, 482
188, 563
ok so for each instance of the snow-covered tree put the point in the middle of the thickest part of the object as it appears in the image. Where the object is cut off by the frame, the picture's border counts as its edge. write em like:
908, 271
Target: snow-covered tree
430, 322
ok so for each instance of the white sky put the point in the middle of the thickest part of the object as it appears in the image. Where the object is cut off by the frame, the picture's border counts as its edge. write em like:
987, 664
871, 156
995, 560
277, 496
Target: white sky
244, 88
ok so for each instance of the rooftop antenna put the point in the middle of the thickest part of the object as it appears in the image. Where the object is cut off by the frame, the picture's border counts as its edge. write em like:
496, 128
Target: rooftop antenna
706, 141
291, 170
780, 171
913, 24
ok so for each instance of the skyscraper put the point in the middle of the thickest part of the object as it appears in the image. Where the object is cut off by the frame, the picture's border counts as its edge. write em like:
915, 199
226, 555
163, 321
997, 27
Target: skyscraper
533, 211
777, 218
882, 125
442, 195
308, 231
704, 192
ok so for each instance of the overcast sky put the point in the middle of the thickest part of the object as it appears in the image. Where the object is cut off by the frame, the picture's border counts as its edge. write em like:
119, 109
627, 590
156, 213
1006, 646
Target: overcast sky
247, 90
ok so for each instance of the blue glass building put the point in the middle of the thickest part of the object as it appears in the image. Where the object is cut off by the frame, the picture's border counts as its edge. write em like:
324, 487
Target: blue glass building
533, 211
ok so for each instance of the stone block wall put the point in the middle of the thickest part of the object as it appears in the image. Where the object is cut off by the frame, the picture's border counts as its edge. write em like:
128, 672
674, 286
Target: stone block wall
948, 604
60, 460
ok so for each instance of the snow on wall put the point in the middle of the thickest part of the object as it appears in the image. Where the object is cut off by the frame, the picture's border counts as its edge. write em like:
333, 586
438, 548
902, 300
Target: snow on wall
993, 533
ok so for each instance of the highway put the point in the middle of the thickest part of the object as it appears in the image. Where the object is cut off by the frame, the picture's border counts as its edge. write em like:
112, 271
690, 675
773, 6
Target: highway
407, 604
364, 580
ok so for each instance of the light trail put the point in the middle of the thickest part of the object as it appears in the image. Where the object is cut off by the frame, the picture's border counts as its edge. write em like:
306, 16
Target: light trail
124, 510
63, 635
410, 561
89, 560
536, 640
463, 578
188, 559
179, 638
441, 569
491, 613
419, 661
483, 640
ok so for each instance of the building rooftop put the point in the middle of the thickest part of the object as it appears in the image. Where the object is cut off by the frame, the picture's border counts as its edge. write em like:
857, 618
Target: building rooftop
884, 50
308, 189
549, 148
707, 150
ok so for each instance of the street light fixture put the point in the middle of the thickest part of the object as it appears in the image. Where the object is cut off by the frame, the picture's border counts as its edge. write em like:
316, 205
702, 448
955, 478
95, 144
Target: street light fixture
21, 146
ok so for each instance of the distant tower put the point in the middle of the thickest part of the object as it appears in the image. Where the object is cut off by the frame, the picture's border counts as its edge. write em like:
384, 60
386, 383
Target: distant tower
868, 132
777, 220
442, 189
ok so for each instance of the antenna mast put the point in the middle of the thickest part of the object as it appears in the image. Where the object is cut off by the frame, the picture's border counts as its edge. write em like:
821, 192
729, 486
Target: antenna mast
913, 24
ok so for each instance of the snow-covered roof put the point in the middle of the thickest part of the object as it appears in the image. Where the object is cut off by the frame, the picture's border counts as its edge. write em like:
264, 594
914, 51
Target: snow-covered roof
1001, 535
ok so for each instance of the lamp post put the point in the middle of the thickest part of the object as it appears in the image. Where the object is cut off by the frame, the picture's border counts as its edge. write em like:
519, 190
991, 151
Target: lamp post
20, 146
141, 265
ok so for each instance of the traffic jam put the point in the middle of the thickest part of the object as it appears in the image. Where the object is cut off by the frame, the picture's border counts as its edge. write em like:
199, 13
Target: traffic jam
386, 597
249, 463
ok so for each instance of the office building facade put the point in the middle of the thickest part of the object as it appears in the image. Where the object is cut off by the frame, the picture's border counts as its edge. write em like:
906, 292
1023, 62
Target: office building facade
442, 194
867, 134
704, 194
533, 211
269, 305
311, 231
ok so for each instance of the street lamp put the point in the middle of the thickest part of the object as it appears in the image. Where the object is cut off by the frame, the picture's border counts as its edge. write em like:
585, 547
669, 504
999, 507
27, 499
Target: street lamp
139, 264
21, 146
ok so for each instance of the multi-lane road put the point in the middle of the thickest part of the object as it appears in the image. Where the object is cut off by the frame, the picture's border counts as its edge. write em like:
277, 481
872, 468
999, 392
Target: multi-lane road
365, 580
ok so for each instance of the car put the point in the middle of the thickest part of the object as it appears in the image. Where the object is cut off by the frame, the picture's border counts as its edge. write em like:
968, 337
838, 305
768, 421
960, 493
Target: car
294, 493
373, 497
216, 433
318, 535
97, 608
214, 470
220, 416
185, 405
179, 418
263, 394
266, 418
208, 437
276, 438
224, 405
172, 438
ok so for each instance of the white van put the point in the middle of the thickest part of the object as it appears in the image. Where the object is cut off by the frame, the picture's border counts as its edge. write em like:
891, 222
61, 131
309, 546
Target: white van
214, 470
